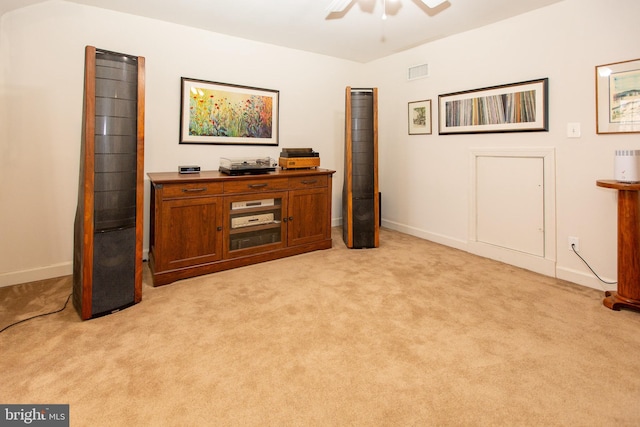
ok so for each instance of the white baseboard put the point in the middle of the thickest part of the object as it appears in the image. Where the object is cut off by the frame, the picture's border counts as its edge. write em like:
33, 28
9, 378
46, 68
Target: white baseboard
433, 237
32, 275
43, 273
542, 266
527, 261
574, 276
584, 279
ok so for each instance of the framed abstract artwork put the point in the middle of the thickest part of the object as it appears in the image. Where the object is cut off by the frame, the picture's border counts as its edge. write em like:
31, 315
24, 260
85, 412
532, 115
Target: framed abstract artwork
618, 97
222, 113
515, 107
420, 117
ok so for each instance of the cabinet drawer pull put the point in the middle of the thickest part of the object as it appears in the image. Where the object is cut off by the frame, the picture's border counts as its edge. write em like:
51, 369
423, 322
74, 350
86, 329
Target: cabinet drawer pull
194, 190
258, 185
309, 181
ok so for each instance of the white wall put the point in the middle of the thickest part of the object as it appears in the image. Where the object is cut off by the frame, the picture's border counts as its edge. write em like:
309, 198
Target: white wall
424, 179
42, 57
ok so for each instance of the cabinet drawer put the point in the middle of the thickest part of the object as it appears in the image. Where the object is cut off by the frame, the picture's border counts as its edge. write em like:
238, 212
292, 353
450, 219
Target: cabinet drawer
256, 185
308, 182
193, 189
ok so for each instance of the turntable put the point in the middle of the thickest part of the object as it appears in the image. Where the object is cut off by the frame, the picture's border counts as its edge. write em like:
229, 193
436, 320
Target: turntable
247, 165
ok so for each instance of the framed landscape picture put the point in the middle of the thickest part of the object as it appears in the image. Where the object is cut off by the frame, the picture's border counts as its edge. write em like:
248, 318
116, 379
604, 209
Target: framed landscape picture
515, 107
420, 117
222, 113
618, 97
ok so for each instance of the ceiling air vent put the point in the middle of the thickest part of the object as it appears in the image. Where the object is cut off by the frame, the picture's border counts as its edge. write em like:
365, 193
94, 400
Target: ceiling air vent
418, 72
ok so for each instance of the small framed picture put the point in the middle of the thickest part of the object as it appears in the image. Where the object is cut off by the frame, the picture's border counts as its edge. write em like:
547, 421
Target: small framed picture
420, 117
618, 97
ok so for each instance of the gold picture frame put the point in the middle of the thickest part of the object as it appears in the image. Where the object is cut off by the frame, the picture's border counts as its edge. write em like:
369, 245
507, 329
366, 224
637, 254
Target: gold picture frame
618, 97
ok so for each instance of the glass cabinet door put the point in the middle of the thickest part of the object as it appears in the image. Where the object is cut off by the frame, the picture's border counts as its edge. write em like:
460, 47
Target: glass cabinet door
255, 222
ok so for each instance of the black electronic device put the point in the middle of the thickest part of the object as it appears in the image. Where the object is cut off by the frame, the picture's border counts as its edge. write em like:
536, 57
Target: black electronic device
298, 152
189, 169
299, 158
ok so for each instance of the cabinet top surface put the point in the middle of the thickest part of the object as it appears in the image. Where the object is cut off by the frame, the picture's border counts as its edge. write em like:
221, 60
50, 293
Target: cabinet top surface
606, 183
166, 177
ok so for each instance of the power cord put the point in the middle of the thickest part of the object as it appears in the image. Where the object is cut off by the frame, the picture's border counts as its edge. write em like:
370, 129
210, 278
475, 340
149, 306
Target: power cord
38, 315
573, 247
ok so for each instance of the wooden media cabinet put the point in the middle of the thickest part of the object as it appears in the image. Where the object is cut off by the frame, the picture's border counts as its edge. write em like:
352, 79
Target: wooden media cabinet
207, 222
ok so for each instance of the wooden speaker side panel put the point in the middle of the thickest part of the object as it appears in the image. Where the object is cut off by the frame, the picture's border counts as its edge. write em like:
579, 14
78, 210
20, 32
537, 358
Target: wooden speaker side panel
88, 145
376, 190
347, 192
140, 180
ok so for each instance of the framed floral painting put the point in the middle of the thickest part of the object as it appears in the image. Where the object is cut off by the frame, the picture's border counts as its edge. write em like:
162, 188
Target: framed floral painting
222, 113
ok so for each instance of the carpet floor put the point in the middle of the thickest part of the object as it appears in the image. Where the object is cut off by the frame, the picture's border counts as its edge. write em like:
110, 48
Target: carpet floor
408, 334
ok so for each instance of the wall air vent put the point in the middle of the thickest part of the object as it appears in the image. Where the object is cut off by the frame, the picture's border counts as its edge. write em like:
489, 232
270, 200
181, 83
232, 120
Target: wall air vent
418, 72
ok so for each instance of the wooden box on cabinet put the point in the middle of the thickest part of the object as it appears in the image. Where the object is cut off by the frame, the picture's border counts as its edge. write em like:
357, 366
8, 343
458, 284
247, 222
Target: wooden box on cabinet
208, 222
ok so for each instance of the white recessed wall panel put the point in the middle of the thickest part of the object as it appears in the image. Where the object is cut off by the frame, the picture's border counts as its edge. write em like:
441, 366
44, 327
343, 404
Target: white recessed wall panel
510, 203
512, 206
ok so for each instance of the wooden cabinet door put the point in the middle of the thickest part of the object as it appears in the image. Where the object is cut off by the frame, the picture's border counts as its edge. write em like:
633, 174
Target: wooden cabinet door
308, 219
191, 232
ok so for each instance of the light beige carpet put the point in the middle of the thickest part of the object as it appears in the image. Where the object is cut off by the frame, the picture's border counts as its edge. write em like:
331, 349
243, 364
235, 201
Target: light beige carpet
409, 334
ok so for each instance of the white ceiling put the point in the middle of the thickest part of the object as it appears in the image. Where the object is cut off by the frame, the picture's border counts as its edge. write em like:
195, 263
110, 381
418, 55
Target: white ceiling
358, 33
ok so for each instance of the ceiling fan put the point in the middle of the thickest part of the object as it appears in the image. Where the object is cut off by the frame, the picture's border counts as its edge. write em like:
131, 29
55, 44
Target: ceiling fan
337, 6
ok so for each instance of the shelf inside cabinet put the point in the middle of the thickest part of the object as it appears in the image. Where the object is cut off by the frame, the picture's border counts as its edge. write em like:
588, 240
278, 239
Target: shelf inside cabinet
254, 228
244, 211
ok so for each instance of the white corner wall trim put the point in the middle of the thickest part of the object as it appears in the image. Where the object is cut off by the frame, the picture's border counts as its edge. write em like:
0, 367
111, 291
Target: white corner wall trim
32, 275
584, 279
427, 235
539, 265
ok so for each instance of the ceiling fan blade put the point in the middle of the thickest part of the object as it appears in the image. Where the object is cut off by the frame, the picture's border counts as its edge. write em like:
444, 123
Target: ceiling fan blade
433, 3
338, 5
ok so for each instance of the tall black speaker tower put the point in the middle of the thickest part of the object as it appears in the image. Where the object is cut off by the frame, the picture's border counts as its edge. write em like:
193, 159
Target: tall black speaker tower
107, 259
360, 197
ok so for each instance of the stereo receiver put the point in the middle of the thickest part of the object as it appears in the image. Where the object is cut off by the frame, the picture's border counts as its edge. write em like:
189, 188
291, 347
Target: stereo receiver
249, 220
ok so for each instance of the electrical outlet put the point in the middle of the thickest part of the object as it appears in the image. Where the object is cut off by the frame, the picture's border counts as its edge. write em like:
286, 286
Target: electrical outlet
575, 242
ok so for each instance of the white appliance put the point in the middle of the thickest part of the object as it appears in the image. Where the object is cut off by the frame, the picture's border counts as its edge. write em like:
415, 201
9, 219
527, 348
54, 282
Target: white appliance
627, 166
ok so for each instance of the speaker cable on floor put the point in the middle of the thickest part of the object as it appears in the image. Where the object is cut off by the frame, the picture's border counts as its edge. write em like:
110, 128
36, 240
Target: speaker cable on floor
38, 315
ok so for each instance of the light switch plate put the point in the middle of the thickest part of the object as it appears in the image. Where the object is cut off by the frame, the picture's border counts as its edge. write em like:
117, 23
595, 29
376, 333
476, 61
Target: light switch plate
573, 130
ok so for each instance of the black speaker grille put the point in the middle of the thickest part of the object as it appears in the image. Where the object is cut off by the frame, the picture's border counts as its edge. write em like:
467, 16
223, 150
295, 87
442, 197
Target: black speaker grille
362, 144
115, 142
364, 222
113, 271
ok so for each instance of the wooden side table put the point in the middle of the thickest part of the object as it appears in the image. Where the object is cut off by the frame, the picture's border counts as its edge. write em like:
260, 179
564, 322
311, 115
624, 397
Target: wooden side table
628, 294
